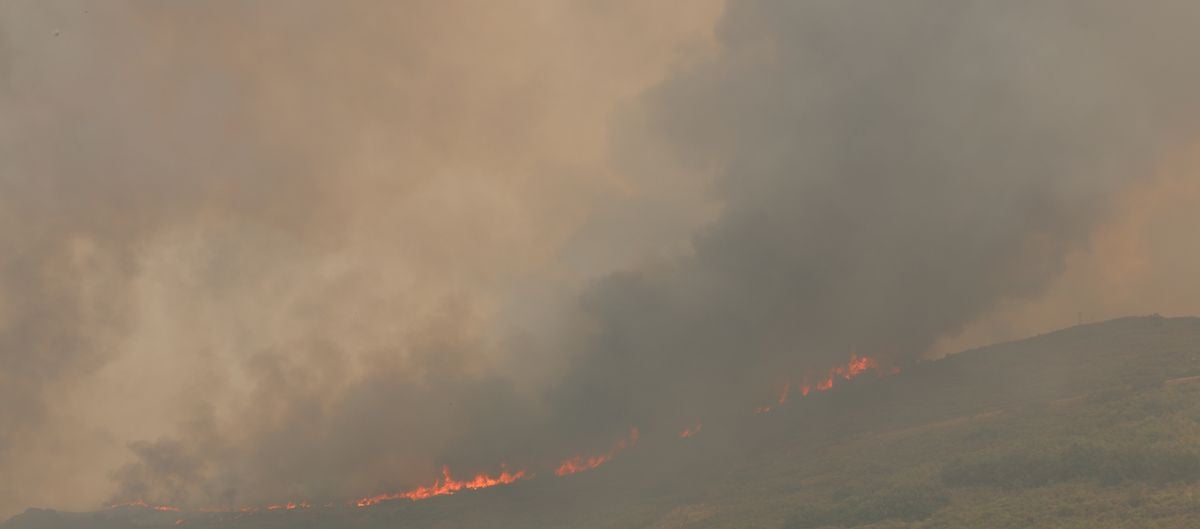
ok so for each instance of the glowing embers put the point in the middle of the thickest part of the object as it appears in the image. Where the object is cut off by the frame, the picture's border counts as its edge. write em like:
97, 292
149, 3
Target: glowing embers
783, 398
446, 486
857, 366
289, 506
852, 369
691, 431
579, 463
139, 504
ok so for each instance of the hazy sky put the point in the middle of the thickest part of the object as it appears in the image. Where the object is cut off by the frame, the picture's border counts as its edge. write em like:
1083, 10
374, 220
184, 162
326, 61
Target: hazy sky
309, 249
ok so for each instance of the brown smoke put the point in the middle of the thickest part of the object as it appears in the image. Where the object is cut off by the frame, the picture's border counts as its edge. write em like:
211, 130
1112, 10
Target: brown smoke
299, 250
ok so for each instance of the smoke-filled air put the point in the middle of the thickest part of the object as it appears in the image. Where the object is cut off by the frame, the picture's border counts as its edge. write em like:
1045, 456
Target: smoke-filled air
298, 257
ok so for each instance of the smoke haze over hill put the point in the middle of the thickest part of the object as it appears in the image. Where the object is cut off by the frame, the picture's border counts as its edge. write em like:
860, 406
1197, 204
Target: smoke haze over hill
296, 250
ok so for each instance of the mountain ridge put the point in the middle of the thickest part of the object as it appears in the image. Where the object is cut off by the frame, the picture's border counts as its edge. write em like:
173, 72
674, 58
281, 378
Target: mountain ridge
983, 406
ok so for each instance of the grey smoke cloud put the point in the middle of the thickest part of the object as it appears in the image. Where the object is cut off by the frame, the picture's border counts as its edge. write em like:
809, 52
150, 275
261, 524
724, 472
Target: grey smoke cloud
887, 172
280, 251
263, 250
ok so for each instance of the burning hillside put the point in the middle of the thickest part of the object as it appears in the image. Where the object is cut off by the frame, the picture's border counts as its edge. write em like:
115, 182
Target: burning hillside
855, 367
294, 257
448, 485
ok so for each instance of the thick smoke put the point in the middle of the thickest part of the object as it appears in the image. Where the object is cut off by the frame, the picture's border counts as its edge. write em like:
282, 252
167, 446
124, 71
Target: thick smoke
261, 251
290, 251
84, 165
887, 172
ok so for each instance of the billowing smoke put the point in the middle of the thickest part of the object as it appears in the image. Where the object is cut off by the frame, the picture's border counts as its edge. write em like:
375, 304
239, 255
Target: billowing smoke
295, 250
265, 251
887, 172
93, 166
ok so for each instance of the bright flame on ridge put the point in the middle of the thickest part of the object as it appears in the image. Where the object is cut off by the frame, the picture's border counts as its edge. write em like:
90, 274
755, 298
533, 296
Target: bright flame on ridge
579, 463
446, 486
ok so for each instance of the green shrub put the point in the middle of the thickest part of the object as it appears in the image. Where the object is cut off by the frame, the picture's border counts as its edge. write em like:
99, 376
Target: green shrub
907, 504
1109, 465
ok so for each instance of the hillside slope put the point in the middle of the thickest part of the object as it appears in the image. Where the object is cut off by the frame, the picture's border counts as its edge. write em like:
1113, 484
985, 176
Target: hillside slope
1093, 426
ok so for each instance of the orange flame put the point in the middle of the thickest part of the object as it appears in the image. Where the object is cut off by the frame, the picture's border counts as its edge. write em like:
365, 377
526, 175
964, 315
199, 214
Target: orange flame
689, 432
446, 486
825, 385
579, 463
783, 397
855, 367
289, 506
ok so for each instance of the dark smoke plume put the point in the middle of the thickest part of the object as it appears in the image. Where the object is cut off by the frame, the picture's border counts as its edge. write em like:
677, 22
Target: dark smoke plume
887, 172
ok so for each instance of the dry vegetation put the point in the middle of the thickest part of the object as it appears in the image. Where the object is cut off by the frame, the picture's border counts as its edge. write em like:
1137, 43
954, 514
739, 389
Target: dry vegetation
1072, 429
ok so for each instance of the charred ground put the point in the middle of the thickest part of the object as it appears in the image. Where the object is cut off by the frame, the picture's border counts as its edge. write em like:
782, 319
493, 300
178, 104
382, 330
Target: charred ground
1092, 426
